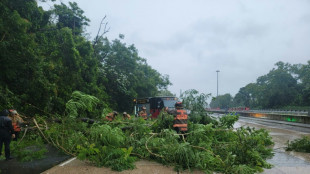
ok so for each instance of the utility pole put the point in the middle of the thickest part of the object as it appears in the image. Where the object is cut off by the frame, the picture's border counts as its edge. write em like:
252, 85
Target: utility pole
217, 83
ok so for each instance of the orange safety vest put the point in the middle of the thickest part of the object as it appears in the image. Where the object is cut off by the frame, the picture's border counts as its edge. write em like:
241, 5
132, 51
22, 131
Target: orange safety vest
180, 120
16, 127
143, 115
110, 117
127, 116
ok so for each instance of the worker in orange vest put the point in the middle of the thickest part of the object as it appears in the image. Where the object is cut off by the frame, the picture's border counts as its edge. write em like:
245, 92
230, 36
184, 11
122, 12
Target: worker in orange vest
111, 116
143, 113
126, 116
180, 117
17, 121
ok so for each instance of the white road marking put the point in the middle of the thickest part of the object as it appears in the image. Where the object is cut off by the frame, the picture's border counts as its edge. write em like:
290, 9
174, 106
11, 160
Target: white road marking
67, 162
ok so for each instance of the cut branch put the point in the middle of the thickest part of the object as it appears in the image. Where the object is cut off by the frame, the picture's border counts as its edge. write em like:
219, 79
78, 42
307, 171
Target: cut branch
23, 136
149, 149
35, 122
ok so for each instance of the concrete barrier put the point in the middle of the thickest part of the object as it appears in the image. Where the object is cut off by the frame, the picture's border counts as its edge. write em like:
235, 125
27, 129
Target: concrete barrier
273, 116
280, 117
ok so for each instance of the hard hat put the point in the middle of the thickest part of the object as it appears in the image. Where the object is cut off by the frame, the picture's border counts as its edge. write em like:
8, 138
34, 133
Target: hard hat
125, 113
114, 112
143, 107
13, 111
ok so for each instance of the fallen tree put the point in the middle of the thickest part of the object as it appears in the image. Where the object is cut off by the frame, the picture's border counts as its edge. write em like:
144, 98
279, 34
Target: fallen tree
210, 145
118, 144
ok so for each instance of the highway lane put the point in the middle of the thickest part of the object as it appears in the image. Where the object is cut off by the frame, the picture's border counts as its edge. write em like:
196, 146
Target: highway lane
284, 162
299, 127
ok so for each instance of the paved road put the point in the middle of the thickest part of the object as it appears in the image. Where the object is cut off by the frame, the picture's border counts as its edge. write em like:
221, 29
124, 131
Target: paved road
281, 132
142, 167
299, 127
284, 162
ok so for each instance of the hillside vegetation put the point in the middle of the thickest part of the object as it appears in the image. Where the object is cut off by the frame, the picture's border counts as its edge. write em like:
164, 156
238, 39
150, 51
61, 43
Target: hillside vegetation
46, 55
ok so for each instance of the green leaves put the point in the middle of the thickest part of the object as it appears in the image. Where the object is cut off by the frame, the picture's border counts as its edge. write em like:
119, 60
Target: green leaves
108, 148
209, 148
283, 87
229, 120
31, 148
196, 104
222, 101
250, 147
299, 145
128, 75
194, 101
107, 136
72, 17
45, 60
79, 103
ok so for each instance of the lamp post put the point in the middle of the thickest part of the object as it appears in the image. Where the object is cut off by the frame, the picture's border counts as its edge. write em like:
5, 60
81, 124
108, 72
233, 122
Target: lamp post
217, 83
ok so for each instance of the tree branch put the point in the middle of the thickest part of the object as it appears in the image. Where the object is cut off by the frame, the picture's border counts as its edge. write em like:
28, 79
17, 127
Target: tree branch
2, 37
105, 30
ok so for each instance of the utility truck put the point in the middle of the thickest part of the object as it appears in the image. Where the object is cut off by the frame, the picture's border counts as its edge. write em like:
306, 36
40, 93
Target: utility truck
154, 105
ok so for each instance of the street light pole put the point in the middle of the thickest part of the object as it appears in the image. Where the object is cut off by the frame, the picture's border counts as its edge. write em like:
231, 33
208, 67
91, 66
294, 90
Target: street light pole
217, 83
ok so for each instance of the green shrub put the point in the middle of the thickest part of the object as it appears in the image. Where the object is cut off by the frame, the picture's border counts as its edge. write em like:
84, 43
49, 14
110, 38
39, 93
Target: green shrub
299, 145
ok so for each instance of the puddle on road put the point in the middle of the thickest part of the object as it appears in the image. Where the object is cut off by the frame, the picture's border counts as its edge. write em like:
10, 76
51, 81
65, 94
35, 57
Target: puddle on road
282, 159
237, 125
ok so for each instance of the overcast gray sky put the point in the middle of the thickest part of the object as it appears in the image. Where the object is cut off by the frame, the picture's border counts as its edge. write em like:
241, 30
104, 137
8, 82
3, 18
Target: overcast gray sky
190, 39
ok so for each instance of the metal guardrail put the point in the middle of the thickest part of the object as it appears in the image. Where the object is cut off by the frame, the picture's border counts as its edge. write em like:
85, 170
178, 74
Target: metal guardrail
282, 112
288, 116
300, 113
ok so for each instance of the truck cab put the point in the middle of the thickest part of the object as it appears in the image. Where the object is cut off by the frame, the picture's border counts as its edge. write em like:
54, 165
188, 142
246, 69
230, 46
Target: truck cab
154, 105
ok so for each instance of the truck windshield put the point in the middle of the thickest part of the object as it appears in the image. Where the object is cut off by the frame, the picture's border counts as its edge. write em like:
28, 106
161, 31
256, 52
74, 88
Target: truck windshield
169, 103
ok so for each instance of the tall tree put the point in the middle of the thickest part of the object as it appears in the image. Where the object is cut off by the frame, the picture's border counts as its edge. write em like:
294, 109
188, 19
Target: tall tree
277, 89
128, 76
302, 73
44, 60
281, 87
19, 61
71, 17
222, 101
248, 96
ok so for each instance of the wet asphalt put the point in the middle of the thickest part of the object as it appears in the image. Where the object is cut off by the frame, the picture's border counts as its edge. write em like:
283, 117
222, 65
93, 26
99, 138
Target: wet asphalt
52, 158
284, 162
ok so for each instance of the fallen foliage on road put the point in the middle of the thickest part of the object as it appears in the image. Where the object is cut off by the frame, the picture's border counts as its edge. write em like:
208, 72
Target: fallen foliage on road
210, 144
213, 147
299, 145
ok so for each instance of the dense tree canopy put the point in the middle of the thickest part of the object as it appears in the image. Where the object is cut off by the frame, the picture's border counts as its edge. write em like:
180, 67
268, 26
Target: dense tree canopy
222, 101
129, 75
45, 57
284, 87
